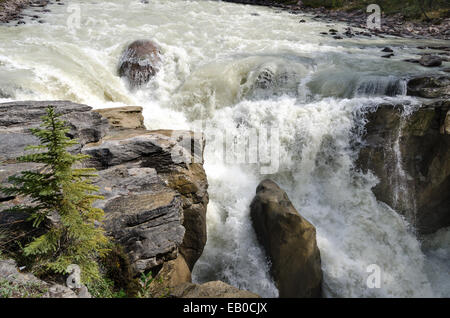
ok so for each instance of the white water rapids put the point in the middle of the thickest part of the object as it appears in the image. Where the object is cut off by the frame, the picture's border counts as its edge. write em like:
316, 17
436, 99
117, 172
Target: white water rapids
213, 53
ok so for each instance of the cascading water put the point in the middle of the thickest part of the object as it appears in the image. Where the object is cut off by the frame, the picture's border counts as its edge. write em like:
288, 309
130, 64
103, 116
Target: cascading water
241, 72
402, 195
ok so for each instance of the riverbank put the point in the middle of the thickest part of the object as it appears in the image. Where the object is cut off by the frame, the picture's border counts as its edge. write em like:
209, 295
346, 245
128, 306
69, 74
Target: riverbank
10, 10
393, 24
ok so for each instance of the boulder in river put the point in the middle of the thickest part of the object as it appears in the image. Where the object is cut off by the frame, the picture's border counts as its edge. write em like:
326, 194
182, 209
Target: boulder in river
430, 61
139, 62
289, 241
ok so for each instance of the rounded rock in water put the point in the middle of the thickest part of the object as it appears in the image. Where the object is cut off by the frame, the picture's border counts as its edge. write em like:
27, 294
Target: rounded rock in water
140, 62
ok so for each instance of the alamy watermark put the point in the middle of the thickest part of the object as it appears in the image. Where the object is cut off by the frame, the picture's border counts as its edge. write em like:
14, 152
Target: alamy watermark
73, 281
242, 146
374, 19
374, 278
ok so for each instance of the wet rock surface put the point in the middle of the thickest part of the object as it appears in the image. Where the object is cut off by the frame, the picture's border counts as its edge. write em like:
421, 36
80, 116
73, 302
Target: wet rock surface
289, 241
139, 62
410, 155
430, 61
429, 86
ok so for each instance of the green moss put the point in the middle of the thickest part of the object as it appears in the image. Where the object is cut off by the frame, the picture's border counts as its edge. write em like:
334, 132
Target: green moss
117, 268
104, 288
21, 290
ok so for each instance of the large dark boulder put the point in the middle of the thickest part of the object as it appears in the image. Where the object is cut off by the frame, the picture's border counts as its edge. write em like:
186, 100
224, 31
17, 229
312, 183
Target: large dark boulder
289, 241
16, 119
430, 61
139, 62
429, 86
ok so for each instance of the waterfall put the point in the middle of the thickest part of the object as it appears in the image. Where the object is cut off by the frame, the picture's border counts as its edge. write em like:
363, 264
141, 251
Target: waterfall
242, 73
402, 196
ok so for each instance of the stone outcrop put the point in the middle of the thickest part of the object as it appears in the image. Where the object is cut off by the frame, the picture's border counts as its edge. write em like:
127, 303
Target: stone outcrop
140, 62
23, 285
410, 155
430, 60
153, 186
165, 152
172, 274
174, 281
289, 241
429, 86
142, 214
129, 117
214, 289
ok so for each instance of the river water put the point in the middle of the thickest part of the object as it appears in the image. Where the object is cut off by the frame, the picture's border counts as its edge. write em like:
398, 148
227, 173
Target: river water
216, 60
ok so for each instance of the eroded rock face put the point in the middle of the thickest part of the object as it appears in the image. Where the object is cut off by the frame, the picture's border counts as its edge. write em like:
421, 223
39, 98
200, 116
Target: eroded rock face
191, 183
139, 62
155, 189
142, 214
289, 241
169, 153
410, 155
172, 274
16, 118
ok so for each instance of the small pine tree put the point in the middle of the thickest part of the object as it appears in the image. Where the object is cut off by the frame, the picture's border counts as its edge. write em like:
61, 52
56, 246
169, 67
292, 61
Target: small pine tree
66, 194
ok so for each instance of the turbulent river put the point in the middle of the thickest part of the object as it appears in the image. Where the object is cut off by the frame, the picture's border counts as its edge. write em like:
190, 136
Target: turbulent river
216, 56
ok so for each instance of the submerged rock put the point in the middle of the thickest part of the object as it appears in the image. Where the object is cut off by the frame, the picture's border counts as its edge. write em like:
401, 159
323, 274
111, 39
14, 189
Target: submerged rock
289, 241
139, 62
